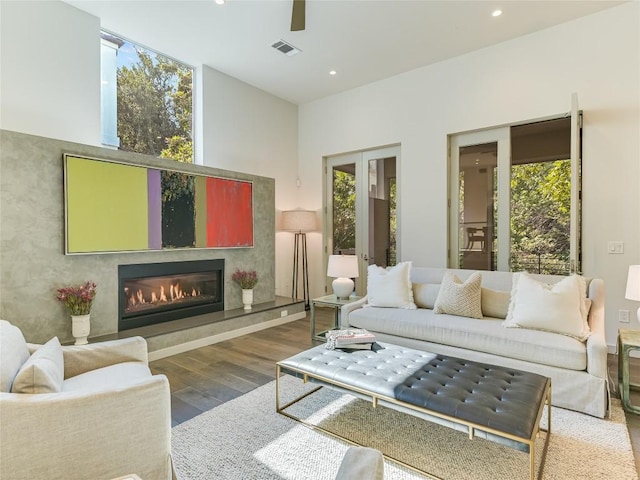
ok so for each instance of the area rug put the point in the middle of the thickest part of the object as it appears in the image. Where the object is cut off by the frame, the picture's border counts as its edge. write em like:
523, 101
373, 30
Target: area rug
246, 439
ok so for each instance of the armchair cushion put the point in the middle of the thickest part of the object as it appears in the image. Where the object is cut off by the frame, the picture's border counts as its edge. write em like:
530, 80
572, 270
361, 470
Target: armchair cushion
13, 354
120, 375
43, 372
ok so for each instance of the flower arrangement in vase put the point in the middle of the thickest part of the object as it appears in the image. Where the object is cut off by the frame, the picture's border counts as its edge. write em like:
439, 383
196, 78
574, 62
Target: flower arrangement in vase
246, 280
79, 300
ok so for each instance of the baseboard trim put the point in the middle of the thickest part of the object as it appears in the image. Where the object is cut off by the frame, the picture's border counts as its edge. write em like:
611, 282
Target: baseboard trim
221, 337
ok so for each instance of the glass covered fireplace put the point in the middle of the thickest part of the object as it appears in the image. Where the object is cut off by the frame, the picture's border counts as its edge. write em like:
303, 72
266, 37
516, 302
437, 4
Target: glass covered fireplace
151, 293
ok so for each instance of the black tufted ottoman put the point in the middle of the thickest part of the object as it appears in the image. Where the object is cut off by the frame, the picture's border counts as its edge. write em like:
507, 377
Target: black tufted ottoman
487, 401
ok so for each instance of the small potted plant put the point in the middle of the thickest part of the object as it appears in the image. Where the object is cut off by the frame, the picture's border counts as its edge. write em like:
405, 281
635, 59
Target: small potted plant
79, 300
246, 280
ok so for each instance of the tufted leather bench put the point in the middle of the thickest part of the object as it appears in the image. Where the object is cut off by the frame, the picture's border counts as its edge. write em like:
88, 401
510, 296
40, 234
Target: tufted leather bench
487, 401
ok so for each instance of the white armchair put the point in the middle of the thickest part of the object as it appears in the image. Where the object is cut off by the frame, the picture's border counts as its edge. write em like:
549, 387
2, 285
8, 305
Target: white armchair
108, 417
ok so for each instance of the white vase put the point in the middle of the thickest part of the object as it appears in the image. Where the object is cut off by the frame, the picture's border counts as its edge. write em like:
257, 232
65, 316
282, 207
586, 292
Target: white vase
247, 298
80, 327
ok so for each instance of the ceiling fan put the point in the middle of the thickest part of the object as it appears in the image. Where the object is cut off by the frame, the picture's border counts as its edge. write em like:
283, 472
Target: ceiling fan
298, 15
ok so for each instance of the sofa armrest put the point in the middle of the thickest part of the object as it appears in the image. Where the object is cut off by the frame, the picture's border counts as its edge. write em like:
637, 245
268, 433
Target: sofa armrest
596, 343
80, 435
348, 308
84, 358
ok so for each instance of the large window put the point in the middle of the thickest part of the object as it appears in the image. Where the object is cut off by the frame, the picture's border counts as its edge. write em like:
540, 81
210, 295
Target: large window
147, 103
515, 198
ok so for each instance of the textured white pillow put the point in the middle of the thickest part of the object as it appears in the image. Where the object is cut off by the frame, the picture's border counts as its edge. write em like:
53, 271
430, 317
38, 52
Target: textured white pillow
390, 287
425, 294
43, 372
558, 308
457, 298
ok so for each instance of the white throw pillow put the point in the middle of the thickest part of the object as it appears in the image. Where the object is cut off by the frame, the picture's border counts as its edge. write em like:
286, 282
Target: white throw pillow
390, 287
13, 354
425, 294
43, 372
495, 303
559, 308
457, 298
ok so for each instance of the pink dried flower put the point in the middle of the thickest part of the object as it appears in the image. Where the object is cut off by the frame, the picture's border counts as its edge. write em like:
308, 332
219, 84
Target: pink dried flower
78, 299
246, 280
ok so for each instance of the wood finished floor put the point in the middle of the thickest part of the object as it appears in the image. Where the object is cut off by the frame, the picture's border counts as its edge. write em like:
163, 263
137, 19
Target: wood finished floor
204, 378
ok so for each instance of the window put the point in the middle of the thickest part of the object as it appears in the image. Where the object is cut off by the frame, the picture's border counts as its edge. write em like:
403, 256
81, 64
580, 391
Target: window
146, 99
515, 198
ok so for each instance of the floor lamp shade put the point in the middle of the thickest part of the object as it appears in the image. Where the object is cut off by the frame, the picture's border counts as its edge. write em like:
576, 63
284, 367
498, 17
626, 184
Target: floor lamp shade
633, 285
300, 222
343, 268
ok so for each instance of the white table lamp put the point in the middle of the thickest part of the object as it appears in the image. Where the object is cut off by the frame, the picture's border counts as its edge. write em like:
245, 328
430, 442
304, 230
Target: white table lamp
343, 268
633, 286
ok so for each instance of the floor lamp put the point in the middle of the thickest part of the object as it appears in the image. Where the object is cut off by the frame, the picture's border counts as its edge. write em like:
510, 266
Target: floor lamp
300, 222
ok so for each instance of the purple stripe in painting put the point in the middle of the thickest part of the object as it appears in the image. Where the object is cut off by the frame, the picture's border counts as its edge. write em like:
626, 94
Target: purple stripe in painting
154, 191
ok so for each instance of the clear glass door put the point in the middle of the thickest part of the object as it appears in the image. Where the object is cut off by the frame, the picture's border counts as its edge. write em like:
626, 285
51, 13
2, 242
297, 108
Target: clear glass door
477, 206
479, 193
361, 213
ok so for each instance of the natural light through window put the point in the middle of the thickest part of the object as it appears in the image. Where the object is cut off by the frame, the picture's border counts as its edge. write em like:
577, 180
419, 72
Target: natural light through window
147, 103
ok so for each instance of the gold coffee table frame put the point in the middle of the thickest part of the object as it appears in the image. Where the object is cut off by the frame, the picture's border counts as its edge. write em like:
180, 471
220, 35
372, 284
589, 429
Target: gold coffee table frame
390, 402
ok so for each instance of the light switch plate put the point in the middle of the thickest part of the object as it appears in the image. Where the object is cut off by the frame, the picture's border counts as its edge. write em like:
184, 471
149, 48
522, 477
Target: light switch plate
623, 316
615, 247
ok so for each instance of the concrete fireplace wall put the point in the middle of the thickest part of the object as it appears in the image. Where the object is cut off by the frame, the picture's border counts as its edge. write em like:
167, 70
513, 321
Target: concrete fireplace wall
32, 260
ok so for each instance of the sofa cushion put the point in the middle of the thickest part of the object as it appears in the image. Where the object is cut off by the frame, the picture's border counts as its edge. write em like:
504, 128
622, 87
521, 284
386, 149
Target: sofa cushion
457, 298
43, 372
495, 303
13, 354
390, 287
425, 294
558, 308
485, 335
120, 375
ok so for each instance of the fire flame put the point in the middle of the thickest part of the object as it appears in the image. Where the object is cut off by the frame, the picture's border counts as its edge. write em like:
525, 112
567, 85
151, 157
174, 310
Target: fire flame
175, 293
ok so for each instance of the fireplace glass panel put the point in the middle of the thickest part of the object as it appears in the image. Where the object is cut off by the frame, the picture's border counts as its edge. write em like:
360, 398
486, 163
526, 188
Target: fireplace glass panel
160, 292
167, 292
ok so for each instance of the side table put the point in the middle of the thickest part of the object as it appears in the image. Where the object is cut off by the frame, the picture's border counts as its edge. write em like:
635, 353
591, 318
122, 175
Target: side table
627, 340
331, 301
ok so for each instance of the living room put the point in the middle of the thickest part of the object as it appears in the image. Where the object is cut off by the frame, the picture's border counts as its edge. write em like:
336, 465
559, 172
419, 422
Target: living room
50, 88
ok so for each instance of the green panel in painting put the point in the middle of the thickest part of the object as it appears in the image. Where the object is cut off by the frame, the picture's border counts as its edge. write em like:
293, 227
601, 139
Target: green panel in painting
201, 211
107, 206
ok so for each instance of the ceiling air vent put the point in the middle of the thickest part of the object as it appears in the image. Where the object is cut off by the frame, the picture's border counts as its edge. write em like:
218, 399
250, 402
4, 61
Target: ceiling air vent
285, 48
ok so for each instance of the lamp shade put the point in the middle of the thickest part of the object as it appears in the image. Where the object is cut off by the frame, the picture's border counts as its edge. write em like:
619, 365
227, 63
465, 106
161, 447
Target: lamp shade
298, 220
633, 283
345, 266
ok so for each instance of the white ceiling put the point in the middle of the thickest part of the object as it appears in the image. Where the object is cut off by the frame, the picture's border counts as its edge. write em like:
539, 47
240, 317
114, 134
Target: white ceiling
363, 40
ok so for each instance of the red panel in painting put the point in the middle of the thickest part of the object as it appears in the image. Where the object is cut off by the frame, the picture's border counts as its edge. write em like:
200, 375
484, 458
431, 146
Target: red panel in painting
229, 213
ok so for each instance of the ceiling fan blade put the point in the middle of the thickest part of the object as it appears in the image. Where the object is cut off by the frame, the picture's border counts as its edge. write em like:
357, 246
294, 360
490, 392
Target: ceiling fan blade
298, 15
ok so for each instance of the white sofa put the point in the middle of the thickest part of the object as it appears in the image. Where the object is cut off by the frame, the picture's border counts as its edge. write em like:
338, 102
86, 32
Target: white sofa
578, 370
108, 417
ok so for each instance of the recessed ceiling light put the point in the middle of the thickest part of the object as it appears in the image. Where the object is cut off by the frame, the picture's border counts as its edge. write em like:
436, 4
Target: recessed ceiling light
497, 13
333, 72
220, 2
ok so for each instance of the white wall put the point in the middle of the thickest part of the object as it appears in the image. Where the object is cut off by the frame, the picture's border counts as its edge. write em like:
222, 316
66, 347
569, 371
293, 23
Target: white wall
597, 57
50, 86
50, 71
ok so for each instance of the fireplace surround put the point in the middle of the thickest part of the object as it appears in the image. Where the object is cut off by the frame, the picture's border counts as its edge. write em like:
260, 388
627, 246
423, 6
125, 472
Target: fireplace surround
151, 293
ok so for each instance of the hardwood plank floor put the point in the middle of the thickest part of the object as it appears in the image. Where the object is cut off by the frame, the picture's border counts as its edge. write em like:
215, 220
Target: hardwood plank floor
204, 378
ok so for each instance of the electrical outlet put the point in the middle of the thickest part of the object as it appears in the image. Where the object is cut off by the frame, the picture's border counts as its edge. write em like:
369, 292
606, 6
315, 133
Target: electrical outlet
623, 316
284, 313
615, 247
